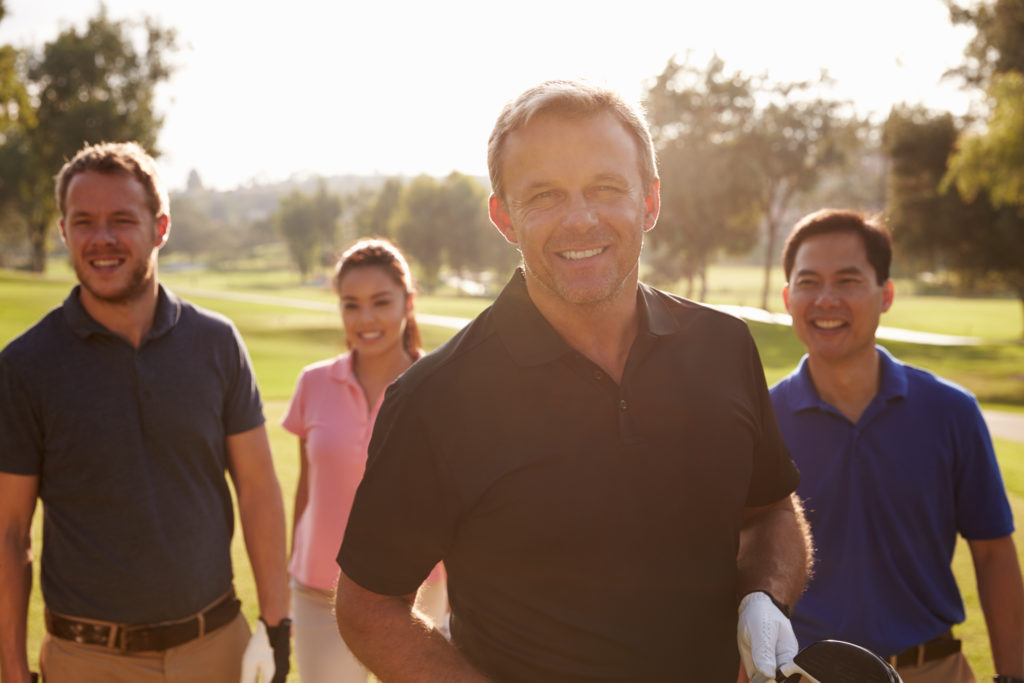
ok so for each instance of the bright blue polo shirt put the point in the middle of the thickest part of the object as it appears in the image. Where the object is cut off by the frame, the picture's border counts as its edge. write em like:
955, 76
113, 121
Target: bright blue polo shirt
886, 498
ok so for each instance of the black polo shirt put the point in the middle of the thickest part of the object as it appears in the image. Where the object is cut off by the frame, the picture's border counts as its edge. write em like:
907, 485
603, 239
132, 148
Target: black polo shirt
589, 529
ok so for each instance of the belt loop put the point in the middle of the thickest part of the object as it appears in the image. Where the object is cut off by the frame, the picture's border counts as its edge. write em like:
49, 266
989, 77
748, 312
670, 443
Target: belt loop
115, 632
920, 654
202, 625
893, 660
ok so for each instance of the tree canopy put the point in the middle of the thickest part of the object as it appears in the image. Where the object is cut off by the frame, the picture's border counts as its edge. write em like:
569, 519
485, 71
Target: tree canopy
87, 86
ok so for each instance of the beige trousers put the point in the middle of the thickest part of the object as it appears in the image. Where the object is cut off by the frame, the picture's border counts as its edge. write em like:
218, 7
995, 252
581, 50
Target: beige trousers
951, 669
214, 658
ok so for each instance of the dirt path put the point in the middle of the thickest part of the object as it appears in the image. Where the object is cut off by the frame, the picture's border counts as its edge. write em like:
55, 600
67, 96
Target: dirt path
1005, 425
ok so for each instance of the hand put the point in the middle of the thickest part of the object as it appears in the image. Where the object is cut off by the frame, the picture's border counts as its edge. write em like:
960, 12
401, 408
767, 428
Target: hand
267, 653
765, 637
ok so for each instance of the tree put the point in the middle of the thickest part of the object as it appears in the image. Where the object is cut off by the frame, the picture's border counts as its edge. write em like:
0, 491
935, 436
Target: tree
998, 42
992, 160
931, 220
418, 224
326, 210
88, 86
708, 191
296, 221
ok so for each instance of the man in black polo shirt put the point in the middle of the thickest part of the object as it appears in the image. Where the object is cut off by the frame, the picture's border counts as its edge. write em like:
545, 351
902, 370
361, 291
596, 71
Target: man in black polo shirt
596, 462
121, 410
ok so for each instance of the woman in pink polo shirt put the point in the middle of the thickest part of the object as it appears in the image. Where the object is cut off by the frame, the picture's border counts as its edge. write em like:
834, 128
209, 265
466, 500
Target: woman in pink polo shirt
332, 412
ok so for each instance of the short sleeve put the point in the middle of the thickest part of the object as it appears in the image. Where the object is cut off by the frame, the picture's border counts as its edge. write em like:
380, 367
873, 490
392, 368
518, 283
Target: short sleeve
401, 520
21, 435
243, 409
775, 475
294, 419
982, 509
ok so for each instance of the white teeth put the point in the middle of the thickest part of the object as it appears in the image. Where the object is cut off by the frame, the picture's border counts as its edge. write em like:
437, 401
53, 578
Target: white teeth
105, 263
371, 335
828, 324
576, 255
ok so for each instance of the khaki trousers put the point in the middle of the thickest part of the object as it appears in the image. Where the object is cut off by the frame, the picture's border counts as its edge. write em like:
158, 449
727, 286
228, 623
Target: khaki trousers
214, 658
951, 669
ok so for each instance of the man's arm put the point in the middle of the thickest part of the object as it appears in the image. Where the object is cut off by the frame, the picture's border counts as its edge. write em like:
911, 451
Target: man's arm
775, 552
1001, 592
261, 511
17, 505
396, 644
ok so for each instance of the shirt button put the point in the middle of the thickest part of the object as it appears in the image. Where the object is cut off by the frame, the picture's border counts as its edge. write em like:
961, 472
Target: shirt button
598, 375
622, 405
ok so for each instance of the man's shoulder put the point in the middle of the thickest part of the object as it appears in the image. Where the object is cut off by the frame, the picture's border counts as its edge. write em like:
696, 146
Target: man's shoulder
688, 312
460, 350
924, 383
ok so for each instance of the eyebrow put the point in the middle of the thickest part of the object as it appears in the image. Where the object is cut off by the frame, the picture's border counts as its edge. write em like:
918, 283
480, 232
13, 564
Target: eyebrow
375, 295
848, 270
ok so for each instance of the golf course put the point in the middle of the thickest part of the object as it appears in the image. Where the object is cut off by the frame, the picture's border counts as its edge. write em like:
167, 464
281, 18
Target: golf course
287, 325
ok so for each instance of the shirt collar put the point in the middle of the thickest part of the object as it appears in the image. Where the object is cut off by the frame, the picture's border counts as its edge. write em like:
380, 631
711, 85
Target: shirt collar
530, 338
893, 383
165, 317
341, 369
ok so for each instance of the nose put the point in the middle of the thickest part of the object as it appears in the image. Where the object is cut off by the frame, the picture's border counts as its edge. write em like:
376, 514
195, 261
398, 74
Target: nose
104, 232
579, 214
826, 297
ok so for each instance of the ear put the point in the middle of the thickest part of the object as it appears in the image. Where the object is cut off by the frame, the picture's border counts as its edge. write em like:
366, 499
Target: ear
785, 296
501, 219
888, 292
652, 205
63, 233
163, 229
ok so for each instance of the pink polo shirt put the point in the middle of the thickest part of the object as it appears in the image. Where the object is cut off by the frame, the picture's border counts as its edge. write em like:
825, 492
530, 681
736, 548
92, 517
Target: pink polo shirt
329, 411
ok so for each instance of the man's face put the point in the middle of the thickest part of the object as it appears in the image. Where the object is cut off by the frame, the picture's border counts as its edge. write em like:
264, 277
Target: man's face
575, 205
834, 297
112, 235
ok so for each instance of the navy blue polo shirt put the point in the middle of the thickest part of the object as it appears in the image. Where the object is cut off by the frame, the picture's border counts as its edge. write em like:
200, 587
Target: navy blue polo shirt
129, 448
885, 498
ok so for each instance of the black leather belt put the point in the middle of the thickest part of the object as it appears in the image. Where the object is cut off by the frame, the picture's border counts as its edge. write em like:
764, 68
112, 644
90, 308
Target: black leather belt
144, 637
936, 648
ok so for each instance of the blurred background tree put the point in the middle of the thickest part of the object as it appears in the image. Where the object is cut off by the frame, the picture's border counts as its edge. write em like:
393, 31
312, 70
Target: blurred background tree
87, 86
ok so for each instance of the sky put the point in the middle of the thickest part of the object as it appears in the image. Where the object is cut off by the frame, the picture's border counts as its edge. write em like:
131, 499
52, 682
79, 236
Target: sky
267, 91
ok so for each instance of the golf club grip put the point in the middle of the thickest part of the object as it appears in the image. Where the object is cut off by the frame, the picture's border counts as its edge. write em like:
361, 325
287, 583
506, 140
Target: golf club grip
783, 678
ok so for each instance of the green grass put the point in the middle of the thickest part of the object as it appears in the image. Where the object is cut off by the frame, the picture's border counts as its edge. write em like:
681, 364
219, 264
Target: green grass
282, 340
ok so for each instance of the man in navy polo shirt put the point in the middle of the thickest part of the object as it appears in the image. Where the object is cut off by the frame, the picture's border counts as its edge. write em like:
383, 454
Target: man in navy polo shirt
121, 410
895, 462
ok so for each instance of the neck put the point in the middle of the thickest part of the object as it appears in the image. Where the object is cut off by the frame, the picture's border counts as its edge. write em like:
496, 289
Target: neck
603, 331
849, 386
382, 368
130, 319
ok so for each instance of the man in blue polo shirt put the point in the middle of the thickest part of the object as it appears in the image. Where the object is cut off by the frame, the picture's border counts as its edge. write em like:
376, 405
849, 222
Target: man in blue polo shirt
895, 462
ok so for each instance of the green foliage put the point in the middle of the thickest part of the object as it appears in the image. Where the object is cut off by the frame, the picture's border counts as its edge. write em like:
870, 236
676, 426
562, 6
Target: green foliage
993, 160
736, 152
295, 221
88, 86
998, 42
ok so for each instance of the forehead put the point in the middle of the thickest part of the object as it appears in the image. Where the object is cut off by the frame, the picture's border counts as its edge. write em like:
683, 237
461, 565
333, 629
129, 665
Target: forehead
90, 189
367, 280
832, 251
552, 147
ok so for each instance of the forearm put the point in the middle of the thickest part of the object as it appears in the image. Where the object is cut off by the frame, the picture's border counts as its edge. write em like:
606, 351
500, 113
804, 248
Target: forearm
1001, 593
396, 645
775, 551
263, 526
15, 586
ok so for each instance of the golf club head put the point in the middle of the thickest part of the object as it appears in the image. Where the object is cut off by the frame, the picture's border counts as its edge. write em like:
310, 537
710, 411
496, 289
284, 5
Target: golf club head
836, 661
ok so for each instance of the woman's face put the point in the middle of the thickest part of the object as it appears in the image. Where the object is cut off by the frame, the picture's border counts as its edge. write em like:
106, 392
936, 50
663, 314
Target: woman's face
373, 310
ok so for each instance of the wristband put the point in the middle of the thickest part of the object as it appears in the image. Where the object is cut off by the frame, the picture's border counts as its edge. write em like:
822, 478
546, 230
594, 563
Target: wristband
1007, 679
785, 608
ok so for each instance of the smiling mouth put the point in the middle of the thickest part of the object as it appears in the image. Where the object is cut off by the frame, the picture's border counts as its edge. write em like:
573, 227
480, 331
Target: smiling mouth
370, 336
577, 255
828, 324
106, 262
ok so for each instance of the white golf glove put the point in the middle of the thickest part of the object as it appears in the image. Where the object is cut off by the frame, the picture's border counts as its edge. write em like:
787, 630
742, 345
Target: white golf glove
260, 661
765, 637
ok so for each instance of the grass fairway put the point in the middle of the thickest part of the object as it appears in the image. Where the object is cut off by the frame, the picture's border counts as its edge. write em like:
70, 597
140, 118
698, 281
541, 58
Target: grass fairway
283, 339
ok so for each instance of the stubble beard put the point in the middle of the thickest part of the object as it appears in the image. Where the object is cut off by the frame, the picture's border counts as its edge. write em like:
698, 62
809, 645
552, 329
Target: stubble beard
142, 274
